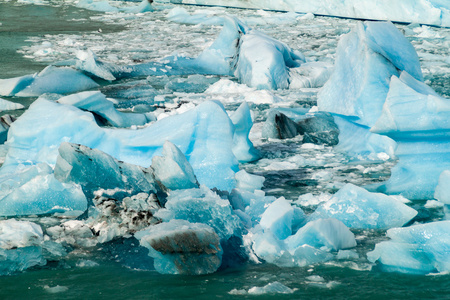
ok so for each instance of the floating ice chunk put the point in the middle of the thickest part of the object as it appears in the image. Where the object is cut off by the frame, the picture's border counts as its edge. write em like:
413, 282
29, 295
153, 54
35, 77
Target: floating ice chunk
366, 59
358, 208
271, 288
8, 105
34, 190
94, 169
412, 108
181, 15
97, 103
88, 62
202, 206
204, 134
243, 149
278, 218
417, 119
56, 289
329, 233
419, 249
173, 170
58, 81
442, 192
180, 247
20, 246
263, 62
11, 86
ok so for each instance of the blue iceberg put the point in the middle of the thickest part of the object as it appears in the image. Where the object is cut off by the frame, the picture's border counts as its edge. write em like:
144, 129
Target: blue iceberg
360, 209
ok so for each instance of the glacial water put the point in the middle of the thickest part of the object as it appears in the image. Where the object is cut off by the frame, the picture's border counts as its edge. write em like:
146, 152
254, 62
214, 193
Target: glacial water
34, 36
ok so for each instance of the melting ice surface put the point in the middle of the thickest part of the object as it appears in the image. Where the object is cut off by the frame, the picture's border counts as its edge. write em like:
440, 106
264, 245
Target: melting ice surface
207, 152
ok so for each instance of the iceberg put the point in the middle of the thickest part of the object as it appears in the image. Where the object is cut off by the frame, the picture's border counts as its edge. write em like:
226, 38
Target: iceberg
366, 58
417, 119
181, 247
431, 12
251, 56
20, 246
52, 79
204, 134
360, 209
419, 249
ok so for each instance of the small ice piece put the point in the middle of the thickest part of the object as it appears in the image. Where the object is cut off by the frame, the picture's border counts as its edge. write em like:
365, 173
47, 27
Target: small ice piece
56, 289
104, 110
94, 169
243, 149
173, 170
89, 63
8, 105
279, 126
331, 233
58, 81
20, 246
102, 6
366, 58
358, 208
34, 190
347, 255
181, 15
180, 247
271, 288
278, 218
418, 249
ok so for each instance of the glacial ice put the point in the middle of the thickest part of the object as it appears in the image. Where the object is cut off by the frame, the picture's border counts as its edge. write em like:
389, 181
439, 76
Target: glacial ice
181, 247
50, 80
34, 190
419, 249
442, 192
20, 246
432, 12
366, 59
204, 134
251, 56
417, 119
173, 170
93, 169
360, 209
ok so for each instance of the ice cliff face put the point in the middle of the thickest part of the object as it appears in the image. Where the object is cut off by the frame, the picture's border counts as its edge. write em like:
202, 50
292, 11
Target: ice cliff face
432, 12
